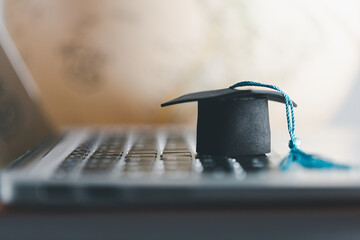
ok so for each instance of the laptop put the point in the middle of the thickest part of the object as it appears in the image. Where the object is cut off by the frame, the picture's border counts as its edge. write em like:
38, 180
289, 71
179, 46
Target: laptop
135, 165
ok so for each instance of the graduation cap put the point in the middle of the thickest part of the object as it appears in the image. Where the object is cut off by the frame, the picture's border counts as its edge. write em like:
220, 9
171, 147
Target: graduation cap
235, 123
232, 122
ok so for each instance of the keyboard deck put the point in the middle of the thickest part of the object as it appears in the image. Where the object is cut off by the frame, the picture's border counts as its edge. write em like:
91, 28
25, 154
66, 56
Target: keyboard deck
149, 154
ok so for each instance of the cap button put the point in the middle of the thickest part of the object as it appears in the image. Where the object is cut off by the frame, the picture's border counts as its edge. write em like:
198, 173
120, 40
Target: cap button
296, 142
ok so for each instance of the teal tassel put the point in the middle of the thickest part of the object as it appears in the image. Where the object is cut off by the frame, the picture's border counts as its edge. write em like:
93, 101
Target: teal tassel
308, 161
295, 155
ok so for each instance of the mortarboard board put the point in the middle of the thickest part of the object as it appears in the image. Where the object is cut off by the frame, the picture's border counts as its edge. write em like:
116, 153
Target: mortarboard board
232, 122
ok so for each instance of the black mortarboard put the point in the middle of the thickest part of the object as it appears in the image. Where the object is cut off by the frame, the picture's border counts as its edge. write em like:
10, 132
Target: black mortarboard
232, 122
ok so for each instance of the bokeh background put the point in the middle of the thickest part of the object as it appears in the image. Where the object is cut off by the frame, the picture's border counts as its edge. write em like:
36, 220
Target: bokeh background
109, 61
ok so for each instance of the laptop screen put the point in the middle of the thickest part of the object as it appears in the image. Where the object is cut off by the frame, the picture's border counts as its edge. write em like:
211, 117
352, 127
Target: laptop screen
22, 124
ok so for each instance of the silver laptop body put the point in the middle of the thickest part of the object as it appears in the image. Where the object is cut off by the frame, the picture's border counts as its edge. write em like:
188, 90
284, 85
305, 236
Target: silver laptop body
135, 165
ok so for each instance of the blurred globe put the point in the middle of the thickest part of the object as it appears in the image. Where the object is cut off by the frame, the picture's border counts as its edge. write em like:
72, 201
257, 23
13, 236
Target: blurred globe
116, 61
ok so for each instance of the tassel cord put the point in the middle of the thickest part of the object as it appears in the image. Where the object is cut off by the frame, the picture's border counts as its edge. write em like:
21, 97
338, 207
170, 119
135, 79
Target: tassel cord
289, 106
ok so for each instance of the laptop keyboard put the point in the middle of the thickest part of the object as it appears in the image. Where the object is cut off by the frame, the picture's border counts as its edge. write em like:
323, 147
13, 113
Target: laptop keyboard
141, 156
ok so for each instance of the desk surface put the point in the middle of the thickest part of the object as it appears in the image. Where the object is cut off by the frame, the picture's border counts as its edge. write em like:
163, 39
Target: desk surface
227, 223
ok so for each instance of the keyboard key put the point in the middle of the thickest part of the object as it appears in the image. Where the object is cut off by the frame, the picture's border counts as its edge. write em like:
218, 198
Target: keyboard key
177, 154
142, 151
214, 164
139, 159
142, 155
253, 163
148, 163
